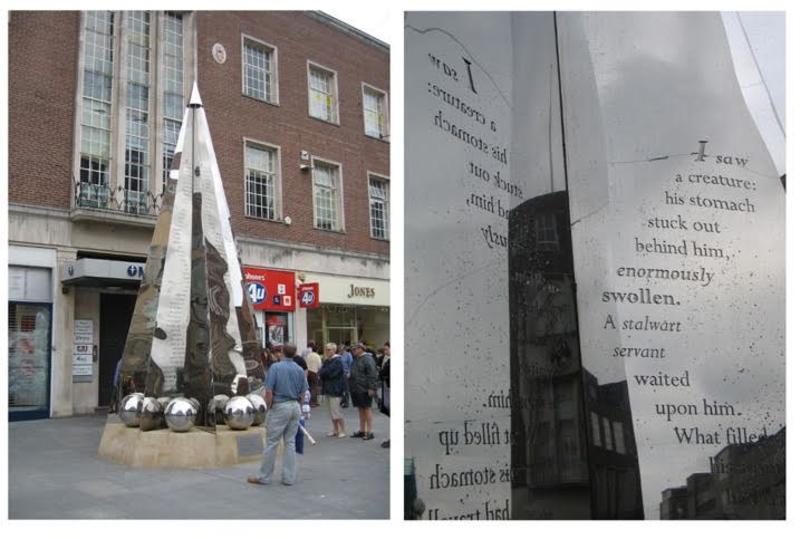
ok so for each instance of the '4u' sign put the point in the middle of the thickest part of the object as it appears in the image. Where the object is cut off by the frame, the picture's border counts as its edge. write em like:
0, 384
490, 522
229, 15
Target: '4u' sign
308, 295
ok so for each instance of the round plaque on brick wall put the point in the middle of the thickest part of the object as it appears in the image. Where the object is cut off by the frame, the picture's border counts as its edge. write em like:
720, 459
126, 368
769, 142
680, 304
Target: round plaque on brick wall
219, 54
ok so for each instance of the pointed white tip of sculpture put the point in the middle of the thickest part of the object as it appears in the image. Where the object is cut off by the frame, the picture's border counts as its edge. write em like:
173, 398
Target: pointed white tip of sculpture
195, 100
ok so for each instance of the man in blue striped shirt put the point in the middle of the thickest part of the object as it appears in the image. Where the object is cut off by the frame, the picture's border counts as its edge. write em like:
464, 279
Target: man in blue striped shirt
283, 390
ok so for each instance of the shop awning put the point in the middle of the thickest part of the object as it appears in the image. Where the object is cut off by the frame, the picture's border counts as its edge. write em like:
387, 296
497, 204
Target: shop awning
98, 272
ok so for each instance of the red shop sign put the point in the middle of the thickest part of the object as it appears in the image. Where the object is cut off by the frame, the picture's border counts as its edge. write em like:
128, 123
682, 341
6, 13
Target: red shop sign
308, 295
270, 290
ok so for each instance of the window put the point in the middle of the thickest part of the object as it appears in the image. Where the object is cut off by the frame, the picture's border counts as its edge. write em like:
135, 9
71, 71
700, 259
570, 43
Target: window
172, 76
619, 437
322, 102
326, 196
596, 439
137, 134
375, 112
546, 235
98, 72
378, 207
261, 181
607, 434
567, 442
133, 81
259, 78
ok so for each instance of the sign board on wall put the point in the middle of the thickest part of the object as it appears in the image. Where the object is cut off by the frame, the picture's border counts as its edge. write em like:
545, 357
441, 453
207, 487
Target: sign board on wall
83, 343
308, 295
97, 268
351, 290
271, 290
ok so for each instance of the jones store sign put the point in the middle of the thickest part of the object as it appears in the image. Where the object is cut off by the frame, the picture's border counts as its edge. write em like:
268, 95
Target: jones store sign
351, 290
361, 291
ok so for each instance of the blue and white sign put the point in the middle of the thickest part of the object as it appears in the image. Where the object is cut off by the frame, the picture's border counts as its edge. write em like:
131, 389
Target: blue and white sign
258, 292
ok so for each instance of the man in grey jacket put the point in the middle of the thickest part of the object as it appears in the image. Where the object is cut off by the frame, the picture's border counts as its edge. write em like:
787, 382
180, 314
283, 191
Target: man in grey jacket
363, 384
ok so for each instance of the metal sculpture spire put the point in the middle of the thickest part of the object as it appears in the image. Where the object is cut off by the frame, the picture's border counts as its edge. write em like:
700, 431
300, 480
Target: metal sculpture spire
190, 324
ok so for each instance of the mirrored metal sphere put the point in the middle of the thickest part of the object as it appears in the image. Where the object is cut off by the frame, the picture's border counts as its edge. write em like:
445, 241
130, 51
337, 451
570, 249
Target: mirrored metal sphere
216, 407
180, 414
130, 409
261, 408
239, 413
152, 414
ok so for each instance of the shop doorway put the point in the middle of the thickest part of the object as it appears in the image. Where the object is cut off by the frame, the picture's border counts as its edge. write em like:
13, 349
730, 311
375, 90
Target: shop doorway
116, 311
29, 341
341, 335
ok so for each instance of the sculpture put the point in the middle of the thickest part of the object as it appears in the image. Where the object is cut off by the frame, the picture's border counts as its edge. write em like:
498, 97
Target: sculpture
130, 409
239, 413
181, 414
194, 338
260, 406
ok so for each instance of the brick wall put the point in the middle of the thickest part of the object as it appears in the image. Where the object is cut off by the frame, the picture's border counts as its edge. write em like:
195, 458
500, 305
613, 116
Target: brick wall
43, 59
232, 116
43, 55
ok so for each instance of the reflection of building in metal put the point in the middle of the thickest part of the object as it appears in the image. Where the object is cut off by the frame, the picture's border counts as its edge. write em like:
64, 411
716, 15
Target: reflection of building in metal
616, 491
674, 503
413, 506
747, 481
573, 452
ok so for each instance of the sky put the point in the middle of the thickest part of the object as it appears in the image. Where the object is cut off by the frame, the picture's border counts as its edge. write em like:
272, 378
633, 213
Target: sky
376, 21
758, 48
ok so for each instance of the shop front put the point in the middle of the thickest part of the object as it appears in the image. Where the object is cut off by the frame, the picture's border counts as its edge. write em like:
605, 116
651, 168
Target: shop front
351, 309
104, 293
30, 313
272, 293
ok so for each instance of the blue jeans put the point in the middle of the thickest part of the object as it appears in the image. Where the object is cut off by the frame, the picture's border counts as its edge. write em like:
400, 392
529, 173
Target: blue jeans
282, 422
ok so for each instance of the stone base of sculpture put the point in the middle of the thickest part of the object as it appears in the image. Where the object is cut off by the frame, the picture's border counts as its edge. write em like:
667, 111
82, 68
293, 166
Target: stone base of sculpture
196, 449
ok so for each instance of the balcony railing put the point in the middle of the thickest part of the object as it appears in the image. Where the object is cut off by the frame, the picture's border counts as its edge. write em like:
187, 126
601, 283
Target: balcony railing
92, 196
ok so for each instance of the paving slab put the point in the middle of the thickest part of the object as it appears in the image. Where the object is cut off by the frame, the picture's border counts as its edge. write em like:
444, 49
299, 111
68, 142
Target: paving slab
55, 473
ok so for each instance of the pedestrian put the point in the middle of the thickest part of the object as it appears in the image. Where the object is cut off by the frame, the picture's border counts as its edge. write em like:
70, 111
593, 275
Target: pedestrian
347, 363
333, 383
379, 357
385, 390
267, 359
284, 389
290, 350
363, 384
115, 393
314, 363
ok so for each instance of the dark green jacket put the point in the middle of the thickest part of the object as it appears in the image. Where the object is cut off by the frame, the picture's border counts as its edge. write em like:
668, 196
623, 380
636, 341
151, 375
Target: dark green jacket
363, 374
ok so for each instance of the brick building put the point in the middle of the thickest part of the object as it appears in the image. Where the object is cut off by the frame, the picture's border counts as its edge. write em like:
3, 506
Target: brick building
297, 103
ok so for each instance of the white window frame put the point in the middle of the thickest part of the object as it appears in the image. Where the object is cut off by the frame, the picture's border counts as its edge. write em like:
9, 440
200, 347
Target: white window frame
161, 168
116, 169
335, 77
384, 133
608, 436
597, 439
546, 225
278, 177
111, 176
381, 177
274, 90
339, 191
619, 437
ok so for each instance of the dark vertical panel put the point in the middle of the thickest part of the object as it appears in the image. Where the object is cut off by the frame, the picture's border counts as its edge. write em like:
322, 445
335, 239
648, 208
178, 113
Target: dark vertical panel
116, 311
